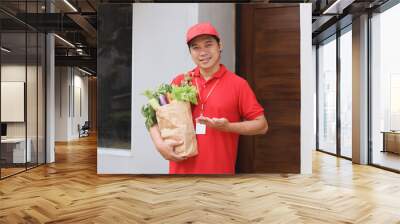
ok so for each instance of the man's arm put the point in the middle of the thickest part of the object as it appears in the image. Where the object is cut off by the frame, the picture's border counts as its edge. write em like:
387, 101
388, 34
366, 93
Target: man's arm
258, 126
165, 148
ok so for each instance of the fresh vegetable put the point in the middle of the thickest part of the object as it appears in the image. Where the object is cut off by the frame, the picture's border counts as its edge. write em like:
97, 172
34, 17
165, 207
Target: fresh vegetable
165, 94
185, 93
150, 94
163, 100
154, 103
163, 89
150, 115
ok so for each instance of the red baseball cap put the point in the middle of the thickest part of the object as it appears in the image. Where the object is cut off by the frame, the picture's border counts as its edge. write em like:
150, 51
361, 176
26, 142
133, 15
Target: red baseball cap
200, 29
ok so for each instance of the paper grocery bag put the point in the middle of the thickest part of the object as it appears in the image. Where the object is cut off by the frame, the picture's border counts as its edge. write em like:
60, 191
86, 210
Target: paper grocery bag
176, 123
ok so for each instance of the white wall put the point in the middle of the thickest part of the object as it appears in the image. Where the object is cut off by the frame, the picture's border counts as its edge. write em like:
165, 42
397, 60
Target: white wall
68, 82
159, 53
80, 97
307, 75
61, 103
222, 16
13, 72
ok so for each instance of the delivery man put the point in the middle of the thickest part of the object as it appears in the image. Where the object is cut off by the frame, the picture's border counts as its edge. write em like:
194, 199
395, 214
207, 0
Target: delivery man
227, 108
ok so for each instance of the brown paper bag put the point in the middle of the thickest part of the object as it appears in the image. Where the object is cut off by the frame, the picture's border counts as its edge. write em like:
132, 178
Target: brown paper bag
175, 123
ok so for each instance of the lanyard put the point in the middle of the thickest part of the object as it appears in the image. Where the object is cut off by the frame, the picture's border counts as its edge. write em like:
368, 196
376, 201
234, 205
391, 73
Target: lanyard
209, 93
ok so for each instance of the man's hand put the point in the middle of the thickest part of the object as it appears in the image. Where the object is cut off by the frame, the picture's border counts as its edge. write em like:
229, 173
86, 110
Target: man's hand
167, 150
257, 126
221, 124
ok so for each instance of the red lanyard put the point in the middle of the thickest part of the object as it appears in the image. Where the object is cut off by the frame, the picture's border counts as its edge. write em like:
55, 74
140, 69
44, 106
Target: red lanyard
205, 100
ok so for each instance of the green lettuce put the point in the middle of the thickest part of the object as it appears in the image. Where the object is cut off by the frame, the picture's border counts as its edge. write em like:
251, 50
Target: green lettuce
184, 93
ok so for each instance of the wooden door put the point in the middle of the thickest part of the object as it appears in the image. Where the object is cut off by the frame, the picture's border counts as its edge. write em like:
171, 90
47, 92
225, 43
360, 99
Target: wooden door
269, 58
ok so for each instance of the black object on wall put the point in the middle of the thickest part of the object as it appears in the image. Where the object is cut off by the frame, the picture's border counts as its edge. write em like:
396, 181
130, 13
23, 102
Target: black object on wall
114, 64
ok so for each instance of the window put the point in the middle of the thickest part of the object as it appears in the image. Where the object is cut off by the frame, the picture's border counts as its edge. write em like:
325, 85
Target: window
385, 88
346, 93
22, 88
115, 77
327, 96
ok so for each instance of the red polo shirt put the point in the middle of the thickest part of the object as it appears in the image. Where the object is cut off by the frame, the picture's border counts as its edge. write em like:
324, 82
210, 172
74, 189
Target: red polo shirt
233, 99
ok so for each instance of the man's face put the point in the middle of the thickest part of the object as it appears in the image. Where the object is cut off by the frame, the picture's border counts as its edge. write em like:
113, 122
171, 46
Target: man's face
205, 51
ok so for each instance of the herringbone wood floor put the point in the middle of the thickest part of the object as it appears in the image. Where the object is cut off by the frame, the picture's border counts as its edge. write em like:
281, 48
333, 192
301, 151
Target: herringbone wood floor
70, 191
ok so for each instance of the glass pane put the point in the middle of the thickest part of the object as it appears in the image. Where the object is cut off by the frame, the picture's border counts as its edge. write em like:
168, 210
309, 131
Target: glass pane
386, 89
41, 98
346, 94
31, 98
327, 96
13, 89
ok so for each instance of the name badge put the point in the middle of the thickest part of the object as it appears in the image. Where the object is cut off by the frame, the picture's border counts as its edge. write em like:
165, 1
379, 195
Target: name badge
200, 129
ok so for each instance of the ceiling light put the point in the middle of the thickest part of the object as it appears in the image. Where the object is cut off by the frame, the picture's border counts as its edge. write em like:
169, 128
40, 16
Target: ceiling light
65, 41
70, 5
5, 50
338, 6
84, 71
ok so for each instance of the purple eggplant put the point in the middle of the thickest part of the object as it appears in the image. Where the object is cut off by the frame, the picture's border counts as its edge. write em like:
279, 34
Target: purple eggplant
163, 100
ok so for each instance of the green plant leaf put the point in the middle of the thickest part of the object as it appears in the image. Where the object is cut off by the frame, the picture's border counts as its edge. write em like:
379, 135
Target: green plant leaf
150, 115
185, 93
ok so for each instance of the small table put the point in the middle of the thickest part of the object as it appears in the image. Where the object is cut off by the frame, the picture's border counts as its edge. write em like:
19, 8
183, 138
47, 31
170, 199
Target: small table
391, 141
17, 150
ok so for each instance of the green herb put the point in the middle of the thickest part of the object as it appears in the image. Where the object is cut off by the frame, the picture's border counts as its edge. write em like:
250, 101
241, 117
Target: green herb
150, 115
150, 94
